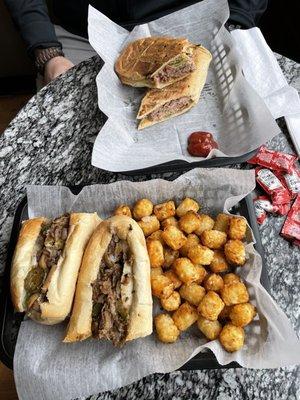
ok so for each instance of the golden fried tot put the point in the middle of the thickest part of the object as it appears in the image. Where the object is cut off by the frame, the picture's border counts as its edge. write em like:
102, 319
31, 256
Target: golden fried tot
155, 252
172, 302
161, 286
210, 329
232, 337
155, 272
164, 210
210, 306
242, 314
149, 224
170, 256
185, 316
224, 314
174, 237
169, 221
206, 223
213, 239
192, 240
219, 263
173, 277
237, 228
166, 330
222, 222
213, 282
157, 236
192, 293
186, 205
234, 293
186, 271
235, 252
231, 278
123, 209
142, 208
200, 254
201, 272
189, 222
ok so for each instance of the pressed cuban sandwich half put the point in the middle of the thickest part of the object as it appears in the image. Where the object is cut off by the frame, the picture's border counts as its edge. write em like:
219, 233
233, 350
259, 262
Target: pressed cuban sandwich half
155, 62
46, 262
161, 104
113, 295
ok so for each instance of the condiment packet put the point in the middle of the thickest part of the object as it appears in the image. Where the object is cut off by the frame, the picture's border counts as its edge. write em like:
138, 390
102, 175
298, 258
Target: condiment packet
292, 181
260, 213
274, 160
272, 186
291, 227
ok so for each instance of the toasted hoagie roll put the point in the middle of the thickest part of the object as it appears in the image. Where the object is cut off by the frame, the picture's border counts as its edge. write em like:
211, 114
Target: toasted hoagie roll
46, 263
113, 295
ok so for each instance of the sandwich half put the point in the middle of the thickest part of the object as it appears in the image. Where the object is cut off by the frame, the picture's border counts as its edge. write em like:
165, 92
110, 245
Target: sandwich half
113, 295
160, 105
155, 62
46, 262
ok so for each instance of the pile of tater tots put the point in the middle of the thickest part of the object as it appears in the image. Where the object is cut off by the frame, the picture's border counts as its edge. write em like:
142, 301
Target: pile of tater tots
192, 259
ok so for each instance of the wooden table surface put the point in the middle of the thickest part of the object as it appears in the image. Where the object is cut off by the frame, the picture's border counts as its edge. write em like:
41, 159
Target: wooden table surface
7, 384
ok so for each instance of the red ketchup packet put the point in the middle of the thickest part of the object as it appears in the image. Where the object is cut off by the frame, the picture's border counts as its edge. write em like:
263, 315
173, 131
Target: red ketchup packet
291, 227
265, 203
292, 181
273, 159
272, 186
260, 213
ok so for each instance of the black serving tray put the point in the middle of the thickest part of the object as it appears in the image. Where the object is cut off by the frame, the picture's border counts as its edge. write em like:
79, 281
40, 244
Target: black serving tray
10, 321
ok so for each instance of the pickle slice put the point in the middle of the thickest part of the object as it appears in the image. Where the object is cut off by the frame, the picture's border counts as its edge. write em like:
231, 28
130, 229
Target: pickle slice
34, 279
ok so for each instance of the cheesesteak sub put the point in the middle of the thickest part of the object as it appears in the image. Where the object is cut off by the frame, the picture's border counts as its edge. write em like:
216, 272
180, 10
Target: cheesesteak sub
155, 61
113, 295
46, 263
160, 105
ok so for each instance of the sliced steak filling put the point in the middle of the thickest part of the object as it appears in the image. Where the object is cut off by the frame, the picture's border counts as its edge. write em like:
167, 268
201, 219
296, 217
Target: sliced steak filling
49, 247
181, 66
170, 108
110, 316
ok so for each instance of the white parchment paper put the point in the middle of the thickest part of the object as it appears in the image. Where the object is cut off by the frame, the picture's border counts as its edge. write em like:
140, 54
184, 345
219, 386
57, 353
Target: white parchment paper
229, 107
47, 369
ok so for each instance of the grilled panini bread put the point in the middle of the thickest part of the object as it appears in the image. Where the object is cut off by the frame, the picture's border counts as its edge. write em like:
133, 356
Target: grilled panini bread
113, 295
155, 62
160, 105
46, 263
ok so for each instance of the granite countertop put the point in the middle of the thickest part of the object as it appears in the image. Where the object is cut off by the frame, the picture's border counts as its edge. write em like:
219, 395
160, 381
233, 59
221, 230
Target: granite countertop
50, 142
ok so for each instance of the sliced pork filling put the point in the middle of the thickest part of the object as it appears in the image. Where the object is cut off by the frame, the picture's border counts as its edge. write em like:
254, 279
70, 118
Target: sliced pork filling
49, 247
110, 311
170, 108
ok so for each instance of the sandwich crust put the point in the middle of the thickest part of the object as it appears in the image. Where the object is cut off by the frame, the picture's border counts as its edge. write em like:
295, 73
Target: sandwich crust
140, 313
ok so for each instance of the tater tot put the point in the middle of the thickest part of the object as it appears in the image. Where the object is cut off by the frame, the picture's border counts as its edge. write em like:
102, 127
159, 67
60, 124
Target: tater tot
235, 252
123, 209
224, 314
210, 329
210, 306
219, 262
149, 224
170, 256
242, 314
201, 272
231, 278
174, 237
186, 205
237, 228
157, 235
192, 240
213, 239
142, 208
171, 221
206, 223
232, 337
155, 252
166, 330
222, 222
213, 282
192, 293
155, 272
185, 270
164, 210
162, 286
234, 293
172, 302
185, 316
200, 254
189, 222
173, 277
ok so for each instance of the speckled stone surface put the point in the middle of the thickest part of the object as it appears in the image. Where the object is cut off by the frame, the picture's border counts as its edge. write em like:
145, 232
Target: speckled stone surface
49, 142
